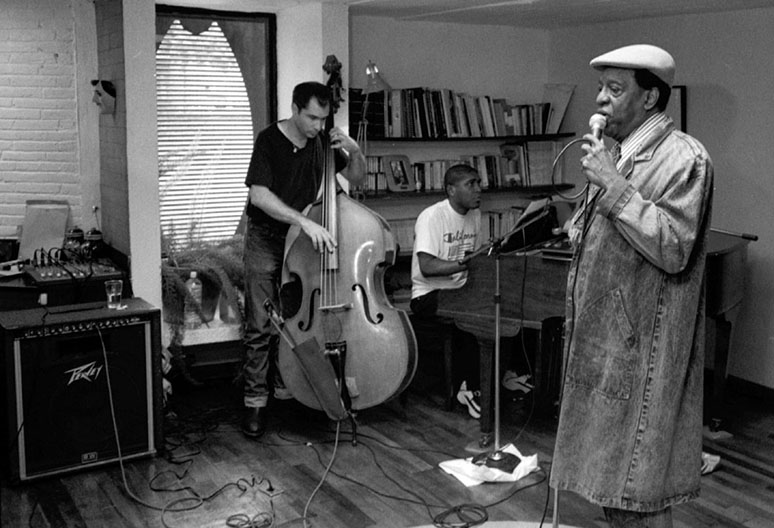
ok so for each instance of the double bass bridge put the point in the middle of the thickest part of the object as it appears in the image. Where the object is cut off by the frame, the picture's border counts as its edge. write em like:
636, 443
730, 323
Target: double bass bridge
335, 308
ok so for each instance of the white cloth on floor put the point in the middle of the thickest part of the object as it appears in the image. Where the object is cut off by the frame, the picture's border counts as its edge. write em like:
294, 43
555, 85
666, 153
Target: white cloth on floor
709, 463
471, 474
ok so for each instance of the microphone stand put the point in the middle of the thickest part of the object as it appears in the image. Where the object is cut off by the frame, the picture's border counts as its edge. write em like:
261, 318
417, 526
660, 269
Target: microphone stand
497, 458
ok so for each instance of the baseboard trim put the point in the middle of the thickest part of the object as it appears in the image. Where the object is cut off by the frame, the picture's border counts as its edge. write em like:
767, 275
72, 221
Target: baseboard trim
748, 388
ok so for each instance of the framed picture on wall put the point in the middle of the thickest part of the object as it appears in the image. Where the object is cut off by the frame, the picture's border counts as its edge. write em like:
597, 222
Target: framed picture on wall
676, 107
398, 172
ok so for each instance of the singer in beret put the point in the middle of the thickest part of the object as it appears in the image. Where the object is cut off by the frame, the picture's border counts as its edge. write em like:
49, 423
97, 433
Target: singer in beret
630, 427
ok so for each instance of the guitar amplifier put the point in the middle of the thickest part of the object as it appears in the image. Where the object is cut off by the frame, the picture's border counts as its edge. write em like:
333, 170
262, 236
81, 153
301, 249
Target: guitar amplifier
82, 386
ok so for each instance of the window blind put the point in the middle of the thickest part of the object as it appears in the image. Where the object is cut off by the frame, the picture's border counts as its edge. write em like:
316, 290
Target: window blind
205, 136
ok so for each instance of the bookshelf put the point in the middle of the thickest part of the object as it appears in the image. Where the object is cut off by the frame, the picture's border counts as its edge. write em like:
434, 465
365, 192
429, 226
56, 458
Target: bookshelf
422, 132
502, 161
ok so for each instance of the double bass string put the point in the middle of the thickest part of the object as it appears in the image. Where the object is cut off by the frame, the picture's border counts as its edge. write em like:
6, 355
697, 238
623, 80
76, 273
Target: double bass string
328, 277
324, 287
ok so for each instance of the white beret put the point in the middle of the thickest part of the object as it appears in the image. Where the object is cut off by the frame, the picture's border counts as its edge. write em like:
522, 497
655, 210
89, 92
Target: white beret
639, 56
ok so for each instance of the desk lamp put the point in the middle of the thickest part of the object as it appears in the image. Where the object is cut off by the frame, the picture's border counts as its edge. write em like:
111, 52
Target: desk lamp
375, 84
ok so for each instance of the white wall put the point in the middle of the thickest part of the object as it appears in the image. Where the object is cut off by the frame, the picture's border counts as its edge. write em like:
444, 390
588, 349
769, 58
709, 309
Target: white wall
306, 35
725, 61
496, 61
139, 37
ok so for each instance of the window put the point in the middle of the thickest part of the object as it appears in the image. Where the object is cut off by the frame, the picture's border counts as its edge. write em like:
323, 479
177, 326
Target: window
215, 91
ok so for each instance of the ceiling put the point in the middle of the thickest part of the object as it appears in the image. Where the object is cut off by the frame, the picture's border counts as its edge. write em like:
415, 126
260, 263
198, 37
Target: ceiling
544, 14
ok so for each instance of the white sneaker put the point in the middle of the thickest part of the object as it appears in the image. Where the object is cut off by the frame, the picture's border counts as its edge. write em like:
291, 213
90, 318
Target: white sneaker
513, 382
709, 463
471, 400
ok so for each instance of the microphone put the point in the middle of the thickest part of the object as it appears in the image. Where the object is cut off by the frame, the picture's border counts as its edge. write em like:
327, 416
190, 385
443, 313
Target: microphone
597, 123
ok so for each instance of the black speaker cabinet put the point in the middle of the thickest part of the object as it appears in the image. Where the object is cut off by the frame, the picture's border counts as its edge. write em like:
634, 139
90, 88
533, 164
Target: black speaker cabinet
82, 386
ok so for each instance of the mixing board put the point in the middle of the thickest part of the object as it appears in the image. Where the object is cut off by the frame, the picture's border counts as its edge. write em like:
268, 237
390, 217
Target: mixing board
64, 272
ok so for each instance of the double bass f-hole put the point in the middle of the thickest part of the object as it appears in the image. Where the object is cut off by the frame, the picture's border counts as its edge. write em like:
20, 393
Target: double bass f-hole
366, 309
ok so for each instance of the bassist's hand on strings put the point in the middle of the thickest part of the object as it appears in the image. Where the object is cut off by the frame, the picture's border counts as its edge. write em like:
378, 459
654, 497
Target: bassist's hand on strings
318, 234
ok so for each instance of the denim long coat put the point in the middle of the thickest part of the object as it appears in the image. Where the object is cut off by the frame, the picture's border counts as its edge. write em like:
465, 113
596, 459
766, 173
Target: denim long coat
629, 433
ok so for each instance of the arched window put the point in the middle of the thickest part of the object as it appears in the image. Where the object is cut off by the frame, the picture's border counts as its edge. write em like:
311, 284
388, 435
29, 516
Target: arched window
210, 106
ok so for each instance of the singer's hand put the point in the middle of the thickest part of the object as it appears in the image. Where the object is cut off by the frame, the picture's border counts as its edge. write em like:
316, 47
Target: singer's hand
598, 165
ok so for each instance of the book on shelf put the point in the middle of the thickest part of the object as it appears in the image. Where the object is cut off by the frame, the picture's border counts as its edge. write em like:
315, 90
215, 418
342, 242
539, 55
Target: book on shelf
558, 97
447, 106
396, 113
538, 158
498, 109
500, 222
487, 118
462, 119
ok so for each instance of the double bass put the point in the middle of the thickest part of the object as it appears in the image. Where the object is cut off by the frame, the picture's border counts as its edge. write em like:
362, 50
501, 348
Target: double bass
341, 320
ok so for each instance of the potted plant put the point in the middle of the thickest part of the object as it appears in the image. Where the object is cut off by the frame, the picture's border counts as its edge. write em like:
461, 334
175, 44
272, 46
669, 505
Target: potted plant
219, 267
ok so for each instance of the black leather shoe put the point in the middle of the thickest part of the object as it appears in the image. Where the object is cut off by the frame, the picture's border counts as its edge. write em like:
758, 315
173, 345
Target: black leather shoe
254, 422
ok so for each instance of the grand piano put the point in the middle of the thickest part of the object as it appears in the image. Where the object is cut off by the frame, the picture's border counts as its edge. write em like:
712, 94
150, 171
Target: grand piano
532, 295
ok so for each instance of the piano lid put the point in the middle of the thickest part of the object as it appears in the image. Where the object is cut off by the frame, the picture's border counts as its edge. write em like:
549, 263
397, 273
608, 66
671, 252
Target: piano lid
725, 270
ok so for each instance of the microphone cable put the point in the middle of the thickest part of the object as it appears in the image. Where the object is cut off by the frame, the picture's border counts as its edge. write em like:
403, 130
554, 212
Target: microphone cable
574, 263
597, 124
569, 198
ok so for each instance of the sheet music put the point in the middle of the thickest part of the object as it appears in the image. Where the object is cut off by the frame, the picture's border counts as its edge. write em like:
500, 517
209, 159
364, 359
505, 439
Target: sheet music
534, 207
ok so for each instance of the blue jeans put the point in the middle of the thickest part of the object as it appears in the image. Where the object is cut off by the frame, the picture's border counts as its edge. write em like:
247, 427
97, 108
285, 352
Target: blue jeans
263, 257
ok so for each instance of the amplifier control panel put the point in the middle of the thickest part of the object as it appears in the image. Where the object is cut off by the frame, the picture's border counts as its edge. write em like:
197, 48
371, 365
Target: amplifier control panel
78, 327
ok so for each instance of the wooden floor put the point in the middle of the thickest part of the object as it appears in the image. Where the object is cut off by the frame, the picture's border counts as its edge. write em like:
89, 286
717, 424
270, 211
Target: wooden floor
389, 479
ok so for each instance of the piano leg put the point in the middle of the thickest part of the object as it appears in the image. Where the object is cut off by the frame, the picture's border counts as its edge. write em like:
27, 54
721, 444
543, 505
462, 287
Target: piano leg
718, 340
548, 366
547, 373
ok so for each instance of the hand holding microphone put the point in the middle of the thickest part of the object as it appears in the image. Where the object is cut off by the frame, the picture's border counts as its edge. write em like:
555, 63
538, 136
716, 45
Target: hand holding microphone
597, 123
598, 165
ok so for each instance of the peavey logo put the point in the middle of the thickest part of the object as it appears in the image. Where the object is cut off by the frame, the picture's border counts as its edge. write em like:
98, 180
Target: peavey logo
87, 372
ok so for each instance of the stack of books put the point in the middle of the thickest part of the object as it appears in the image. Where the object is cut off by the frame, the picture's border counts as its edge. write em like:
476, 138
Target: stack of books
427, 113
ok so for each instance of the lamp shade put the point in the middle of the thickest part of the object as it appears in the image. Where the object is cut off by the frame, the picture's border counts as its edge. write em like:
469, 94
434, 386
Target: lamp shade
376, 82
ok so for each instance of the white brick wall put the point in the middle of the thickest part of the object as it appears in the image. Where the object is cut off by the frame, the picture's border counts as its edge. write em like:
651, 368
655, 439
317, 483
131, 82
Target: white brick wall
39, 139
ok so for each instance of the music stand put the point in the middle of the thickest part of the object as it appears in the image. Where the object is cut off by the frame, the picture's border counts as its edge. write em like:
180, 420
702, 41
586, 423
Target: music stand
497, 458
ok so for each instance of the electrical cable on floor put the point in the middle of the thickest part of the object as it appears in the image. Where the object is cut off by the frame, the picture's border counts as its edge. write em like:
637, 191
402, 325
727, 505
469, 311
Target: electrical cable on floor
468, 515
418, 500
325, 473
360, 434
177, 505
260, 520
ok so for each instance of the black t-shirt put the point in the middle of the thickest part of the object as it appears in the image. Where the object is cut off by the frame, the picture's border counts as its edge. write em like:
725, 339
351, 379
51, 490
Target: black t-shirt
294, 175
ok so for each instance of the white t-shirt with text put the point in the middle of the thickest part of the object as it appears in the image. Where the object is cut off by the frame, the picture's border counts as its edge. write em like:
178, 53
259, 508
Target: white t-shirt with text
444, 233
